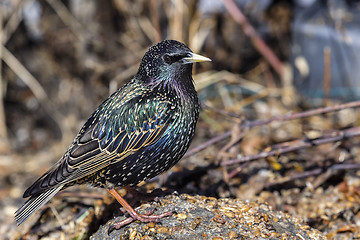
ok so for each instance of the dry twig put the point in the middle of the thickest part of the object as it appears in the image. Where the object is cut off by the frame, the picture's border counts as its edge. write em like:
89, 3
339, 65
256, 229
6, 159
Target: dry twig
249, 31
3, 131
24, 74
314, 172
341, 135
309, 113
251, 124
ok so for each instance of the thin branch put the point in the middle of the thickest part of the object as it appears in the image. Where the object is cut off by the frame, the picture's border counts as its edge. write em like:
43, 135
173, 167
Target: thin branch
251, 124
236, 135
68, 18
236, 171
347, 166
207, 144
3, 130
309, 113
219, 111
305, 143
13, 22
24, 74
38, 91
249, 31
314, 172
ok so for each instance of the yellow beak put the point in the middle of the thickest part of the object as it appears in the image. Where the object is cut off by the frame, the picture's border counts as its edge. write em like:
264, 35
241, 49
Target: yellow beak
195, 58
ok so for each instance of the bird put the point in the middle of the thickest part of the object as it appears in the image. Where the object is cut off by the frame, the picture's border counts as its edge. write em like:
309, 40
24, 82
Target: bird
139, 132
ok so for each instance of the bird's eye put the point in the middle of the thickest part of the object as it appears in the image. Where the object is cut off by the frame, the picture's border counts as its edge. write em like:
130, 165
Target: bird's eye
167, 59
170, 59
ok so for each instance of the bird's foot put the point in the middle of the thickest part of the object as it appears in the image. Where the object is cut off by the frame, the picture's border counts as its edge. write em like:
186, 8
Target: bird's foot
145, 218
133, 214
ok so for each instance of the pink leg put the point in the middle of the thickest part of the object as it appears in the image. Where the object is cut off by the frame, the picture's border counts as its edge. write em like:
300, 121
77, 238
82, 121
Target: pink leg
133, 214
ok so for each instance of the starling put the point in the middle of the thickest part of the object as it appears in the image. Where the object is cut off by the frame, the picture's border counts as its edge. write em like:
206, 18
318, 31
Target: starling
140, 131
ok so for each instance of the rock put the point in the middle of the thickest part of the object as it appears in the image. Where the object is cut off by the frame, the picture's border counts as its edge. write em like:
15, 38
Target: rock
199, 217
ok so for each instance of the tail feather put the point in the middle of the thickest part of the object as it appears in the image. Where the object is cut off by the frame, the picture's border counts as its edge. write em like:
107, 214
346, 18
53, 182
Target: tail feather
33, 204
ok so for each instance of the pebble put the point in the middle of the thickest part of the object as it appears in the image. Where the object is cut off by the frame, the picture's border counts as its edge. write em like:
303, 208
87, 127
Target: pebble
181, 216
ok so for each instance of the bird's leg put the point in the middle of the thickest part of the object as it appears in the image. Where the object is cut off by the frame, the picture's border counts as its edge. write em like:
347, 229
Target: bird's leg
133, 214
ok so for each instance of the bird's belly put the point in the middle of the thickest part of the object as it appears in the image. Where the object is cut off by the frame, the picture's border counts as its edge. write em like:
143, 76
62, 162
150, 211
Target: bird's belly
145, 163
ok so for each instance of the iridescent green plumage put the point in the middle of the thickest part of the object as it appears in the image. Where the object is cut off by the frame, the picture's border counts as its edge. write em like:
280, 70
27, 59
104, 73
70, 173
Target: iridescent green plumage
140, 131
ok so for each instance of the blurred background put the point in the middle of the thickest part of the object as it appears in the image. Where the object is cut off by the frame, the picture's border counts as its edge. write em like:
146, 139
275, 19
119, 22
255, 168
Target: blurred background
61, 59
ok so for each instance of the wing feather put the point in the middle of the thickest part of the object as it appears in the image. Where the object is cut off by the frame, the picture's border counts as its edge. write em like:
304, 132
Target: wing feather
111, 134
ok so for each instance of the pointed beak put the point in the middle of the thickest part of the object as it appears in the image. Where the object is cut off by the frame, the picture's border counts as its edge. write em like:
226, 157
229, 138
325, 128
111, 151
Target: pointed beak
195, 58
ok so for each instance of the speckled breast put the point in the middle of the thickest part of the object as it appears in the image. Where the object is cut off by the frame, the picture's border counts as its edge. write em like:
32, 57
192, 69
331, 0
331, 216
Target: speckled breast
153, 160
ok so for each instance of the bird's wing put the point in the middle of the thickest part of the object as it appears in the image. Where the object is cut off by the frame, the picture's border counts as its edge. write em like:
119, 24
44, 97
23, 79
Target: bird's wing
112, 133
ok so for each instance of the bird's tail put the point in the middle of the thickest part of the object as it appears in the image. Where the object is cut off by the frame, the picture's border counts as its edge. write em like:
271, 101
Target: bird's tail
33, 204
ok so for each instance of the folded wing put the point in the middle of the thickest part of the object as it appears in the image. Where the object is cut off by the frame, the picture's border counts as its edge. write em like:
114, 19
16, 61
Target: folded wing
111, 134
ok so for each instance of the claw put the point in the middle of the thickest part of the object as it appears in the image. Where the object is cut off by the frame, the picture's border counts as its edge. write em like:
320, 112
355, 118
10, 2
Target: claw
140, 217
133, 214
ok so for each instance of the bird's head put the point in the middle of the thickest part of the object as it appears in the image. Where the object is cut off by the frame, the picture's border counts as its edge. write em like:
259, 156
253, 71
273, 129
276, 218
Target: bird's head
168, 63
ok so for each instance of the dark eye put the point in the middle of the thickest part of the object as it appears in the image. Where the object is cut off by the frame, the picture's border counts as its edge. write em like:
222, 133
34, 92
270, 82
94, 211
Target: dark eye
167, 59
170, 59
